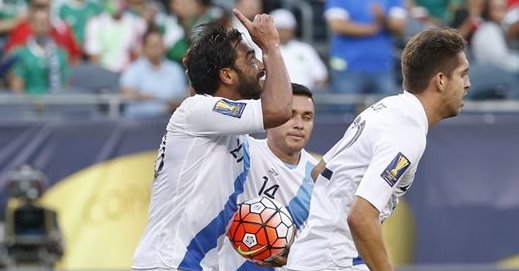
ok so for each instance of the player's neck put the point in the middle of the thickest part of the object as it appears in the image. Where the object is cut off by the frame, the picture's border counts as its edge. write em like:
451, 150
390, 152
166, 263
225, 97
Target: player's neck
431, 107
227, 93
285, 157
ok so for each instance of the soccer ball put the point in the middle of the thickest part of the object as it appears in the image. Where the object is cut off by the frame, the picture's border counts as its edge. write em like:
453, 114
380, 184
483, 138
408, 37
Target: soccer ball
261, 228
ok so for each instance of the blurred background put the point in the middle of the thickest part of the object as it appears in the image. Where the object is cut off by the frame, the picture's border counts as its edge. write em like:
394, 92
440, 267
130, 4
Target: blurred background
87, 87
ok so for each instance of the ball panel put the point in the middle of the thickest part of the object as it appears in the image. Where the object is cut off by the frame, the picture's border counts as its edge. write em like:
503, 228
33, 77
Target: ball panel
261, 228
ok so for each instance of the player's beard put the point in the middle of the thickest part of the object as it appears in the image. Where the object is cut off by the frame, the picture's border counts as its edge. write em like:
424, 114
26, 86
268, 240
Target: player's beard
248, 86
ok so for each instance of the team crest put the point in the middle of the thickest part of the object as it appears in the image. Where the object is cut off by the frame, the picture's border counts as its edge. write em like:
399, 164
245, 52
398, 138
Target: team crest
395, 169
229, 108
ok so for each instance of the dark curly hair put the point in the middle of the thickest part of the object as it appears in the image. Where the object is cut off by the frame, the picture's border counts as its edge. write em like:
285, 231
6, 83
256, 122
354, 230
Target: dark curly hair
213, 47
428, 53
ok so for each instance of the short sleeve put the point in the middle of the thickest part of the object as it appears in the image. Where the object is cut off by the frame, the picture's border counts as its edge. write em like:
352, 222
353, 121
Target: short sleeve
395, 156
336, 9
396, 9
216, 115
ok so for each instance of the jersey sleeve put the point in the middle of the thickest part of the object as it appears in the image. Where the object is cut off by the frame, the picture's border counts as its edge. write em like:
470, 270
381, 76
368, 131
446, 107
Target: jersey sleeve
396, 9
395, 156
216, 115
336, 9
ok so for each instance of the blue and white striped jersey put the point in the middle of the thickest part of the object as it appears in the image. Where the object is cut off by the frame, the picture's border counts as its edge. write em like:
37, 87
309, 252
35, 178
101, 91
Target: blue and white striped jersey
200, 172
290, 185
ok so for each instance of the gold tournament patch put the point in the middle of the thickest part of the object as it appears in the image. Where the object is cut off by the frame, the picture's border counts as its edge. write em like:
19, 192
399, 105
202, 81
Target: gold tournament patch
229, 108
395, 169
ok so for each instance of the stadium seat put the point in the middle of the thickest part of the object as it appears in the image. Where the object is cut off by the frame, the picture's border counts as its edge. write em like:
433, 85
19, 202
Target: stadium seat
490, 83
93, 78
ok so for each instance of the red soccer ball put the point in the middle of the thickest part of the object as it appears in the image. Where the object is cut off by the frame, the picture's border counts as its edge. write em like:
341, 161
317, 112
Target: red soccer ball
261, 228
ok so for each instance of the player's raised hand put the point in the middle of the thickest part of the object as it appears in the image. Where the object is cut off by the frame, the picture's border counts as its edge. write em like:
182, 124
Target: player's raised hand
261, 29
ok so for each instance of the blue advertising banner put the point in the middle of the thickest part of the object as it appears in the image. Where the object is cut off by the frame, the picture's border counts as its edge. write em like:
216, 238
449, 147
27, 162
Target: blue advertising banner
463, 203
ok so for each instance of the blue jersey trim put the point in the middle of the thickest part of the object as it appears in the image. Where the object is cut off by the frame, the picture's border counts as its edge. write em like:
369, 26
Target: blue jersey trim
357, 261
299, 206
206, 239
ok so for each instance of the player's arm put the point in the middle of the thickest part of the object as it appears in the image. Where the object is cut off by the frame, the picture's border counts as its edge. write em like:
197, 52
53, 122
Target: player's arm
343, 26
366, 230
395, 156
276, 97
318, 169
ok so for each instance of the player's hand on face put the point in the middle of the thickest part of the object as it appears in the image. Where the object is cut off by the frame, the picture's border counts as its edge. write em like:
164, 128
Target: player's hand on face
261, 29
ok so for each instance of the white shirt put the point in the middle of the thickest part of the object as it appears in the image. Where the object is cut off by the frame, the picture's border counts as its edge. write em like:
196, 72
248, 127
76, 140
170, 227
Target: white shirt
112, 40
304, 65
376, 160
201, 169
290, 185
490, 47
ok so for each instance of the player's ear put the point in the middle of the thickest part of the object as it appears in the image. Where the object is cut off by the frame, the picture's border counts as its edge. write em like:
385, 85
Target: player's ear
226, 75
441, 81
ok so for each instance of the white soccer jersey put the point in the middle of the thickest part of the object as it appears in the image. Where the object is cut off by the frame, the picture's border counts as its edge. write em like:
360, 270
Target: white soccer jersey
376, 160
290, 185
201, 169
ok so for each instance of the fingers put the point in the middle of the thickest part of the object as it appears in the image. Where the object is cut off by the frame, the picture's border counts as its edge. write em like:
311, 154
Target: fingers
274, 261
244, 20
259, 18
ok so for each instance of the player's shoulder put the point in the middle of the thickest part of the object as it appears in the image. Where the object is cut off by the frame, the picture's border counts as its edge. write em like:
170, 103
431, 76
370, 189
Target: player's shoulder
399, 110
259, 148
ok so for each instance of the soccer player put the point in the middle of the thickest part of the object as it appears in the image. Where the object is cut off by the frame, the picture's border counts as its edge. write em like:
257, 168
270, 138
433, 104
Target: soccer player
361, 178
204, 157
281, 170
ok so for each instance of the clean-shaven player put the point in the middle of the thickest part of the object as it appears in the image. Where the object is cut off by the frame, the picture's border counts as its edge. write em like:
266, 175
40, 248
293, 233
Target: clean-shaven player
361, 178
280, 169
204, 157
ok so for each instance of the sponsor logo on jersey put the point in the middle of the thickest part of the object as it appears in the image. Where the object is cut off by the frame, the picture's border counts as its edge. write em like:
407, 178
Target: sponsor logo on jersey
248, 253
395, 169
229, 108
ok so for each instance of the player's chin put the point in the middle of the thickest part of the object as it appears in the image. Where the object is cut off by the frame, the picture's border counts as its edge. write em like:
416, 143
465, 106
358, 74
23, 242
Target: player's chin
296, 145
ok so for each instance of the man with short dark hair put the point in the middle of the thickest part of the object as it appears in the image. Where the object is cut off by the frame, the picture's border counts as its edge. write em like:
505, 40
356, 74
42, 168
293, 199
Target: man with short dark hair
281, 170
360, 179
204, 157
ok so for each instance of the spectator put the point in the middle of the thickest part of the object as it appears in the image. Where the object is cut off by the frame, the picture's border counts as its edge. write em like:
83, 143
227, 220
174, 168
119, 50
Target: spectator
489, 43
148, 10
304, 65
113, 38
175, 38
41, 65
361, 56
157, 84
77, 13
441, 12
10, 16
60, 32
189, 14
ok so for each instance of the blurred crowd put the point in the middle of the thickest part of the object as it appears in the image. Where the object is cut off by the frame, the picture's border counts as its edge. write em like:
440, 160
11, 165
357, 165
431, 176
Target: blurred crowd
135, 47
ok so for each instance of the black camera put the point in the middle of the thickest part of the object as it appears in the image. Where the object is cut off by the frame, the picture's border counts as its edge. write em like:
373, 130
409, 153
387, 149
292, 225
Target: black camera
32, 234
